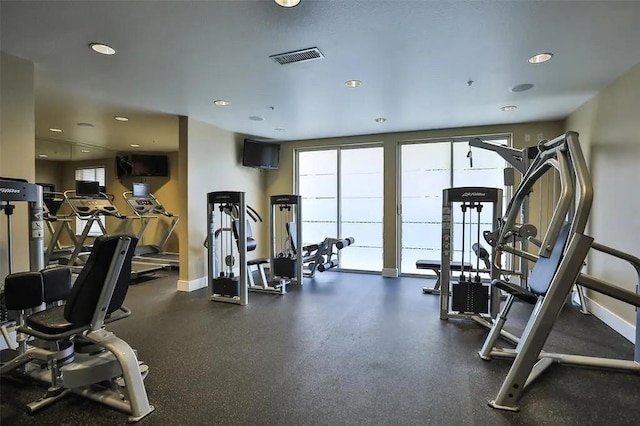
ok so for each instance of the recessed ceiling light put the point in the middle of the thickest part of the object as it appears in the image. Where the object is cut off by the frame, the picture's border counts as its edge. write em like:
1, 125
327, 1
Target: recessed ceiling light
121, 118
56, 130
134, 145
521, 87
540, 58
352, 84
85, 150
381, 120
509, 108
102, 49
287, 3
279, 129
221, 102
84, 124
256, 118
43, 156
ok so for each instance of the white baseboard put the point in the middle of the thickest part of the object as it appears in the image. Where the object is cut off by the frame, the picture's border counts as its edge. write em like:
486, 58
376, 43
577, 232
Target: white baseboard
390, 272
626, 329
191, 285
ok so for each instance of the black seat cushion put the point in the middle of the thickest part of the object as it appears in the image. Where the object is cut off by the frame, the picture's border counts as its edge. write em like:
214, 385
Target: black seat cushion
50, 321
516, 290
259, 261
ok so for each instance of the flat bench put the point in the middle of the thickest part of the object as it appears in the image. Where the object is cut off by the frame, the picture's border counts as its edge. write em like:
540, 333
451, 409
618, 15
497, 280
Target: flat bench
436, 266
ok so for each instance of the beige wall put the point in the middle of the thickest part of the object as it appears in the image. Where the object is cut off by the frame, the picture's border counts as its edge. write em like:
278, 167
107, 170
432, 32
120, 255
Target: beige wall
17, 150
210, 160
527, 134
609, 127
50, 172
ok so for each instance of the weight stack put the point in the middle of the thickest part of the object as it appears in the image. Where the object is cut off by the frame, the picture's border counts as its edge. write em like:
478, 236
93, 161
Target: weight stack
470, 297
284, 267
229, 287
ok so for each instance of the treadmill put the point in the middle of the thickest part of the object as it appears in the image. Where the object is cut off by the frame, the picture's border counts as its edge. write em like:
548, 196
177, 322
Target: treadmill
56, 224
147, 208
88, 203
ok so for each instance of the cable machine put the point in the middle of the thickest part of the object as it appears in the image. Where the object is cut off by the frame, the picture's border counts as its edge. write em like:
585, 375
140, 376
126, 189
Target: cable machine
227, 226
468, 298
285, 235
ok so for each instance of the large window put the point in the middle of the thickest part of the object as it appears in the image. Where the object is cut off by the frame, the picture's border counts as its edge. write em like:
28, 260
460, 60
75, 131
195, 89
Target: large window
342, 196
426, 169
95, 174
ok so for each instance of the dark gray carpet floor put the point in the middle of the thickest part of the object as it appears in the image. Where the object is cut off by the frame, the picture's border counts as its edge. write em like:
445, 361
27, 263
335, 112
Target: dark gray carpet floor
345, 349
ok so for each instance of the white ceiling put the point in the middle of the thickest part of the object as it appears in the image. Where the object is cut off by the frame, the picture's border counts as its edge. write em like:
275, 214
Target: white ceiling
414, 58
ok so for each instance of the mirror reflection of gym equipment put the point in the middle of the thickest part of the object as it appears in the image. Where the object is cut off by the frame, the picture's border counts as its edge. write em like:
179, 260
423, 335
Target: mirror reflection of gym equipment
147, 208
88, 203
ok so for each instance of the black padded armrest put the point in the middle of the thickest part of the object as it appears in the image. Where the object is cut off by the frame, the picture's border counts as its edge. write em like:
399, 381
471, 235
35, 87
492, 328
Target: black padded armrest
23, 290
516, 290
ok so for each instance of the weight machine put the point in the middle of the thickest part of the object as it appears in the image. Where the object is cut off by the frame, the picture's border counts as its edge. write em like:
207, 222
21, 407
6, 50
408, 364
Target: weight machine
468, 298
19, 191
558, 265
285, 265
521, 160
227, 227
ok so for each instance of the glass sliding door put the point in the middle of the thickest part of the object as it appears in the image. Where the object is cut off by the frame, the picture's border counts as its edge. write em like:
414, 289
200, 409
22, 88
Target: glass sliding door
342, 196
361, 207
426, 169
318, 186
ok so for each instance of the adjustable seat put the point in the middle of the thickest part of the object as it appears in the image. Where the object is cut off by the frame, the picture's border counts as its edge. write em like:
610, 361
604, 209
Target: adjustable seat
95, 299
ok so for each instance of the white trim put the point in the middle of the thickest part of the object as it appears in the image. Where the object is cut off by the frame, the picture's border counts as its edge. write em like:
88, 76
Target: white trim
390, 272
620, 325
192, 285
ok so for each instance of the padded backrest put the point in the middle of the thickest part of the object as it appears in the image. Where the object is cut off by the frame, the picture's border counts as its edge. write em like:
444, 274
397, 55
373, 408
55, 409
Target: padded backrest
86, 291
251, 242
57, 284
292, 232
23, 290
545, 268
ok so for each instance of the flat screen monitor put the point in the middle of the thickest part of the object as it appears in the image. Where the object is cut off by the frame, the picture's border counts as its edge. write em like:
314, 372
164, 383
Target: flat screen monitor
262, 155
87, 188
140, 190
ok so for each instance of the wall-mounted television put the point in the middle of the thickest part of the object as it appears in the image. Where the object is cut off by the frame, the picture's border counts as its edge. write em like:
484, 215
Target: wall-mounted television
263, 155
133, 165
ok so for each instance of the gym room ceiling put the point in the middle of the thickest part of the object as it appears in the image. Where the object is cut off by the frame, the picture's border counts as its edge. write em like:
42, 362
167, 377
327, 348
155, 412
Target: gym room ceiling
422, 64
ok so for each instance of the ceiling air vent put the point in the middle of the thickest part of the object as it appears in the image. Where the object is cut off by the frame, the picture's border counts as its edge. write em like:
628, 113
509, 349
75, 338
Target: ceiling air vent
302, 55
